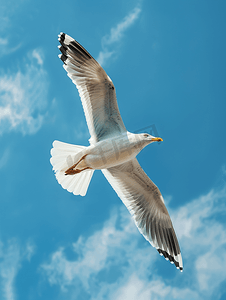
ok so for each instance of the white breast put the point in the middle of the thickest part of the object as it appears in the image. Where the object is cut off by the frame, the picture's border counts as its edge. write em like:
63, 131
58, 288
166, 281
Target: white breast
112, 152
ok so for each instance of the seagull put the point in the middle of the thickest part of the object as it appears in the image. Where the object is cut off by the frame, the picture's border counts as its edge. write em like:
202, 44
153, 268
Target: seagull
112, 150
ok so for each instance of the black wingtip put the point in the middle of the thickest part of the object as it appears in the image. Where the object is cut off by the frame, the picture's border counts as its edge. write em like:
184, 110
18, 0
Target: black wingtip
63, 58
61, 37
62, 48
170, 258
68, 42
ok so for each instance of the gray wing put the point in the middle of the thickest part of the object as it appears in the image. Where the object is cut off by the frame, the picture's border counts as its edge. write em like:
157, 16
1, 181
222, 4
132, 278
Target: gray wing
95, 88
145, 203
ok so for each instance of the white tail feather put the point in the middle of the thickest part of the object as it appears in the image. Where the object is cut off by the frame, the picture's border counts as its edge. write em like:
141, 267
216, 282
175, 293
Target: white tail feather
63, 157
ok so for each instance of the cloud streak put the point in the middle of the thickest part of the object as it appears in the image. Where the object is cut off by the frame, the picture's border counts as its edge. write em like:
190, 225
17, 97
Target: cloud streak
7, 16
137, 270
23, 97
204, 239
95, 254
11, 256
4, 158
116, 34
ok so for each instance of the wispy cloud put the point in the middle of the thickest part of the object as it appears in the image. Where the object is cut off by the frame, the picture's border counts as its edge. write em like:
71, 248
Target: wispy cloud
116, 34
110, 264
4, 158
38, 56
7, 17
11, 257
103, 250
3, 41
204, 239
23, 97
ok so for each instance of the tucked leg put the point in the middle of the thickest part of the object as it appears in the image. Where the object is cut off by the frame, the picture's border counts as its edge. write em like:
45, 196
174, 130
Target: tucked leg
72, 170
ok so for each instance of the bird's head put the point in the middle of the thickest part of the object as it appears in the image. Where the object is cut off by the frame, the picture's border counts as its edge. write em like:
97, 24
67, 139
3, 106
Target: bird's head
151, 138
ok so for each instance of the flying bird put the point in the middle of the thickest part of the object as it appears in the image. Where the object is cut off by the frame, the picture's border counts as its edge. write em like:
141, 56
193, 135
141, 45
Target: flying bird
112, 150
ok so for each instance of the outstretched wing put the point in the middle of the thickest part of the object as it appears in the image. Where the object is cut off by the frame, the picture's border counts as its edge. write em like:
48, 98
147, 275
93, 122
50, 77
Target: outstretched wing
95, 88
145, 203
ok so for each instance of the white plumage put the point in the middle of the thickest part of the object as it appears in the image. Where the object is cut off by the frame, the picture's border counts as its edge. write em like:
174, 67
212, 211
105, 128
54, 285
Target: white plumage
113, 150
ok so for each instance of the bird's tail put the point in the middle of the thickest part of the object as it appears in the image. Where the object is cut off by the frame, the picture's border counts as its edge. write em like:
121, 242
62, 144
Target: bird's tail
63, 157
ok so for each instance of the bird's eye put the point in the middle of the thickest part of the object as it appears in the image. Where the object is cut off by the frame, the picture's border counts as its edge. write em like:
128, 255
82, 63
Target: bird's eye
146, 135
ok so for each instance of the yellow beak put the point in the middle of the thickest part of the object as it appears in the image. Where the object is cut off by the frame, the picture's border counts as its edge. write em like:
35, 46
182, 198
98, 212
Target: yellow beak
157, 139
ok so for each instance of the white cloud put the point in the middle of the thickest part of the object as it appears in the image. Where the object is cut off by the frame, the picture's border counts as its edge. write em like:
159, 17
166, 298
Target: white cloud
96, 253
144, 289
37, 55
11, 257
204, 239
116, 35
23, 97
113, 263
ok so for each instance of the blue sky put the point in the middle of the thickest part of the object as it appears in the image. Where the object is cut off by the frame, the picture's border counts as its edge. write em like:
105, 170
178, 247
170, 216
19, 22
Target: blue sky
167, 62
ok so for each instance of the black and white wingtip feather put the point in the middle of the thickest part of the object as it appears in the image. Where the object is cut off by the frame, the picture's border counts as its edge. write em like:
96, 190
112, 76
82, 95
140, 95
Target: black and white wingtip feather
69, 47
177, 261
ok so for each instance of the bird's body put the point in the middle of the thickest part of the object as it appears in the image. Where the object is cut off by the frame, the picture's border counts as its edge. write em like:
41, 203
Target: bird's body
112, 150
